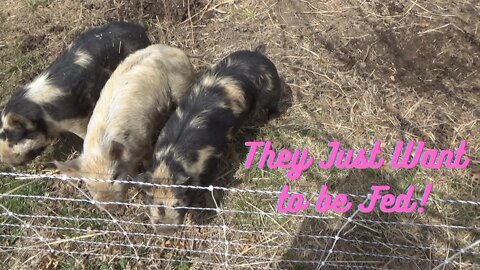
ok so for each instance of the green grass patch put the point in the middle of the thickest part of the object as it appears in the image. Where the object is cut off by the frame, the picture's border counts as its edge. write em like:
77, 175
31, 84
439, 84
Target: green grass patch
20, 205
17, 205
181, 263
22, 61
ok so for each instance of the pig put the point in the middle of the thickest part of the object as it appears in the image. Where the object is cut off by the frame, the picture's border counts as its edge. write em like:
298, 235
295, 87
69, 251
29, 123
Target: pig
133, 107
61, 98
194, 138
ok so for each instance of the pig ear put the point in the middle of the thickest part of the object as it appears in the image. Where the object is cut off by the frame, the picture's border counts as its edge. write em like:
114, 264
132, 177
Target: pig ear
117, 150
71, 167
14, 120
183, 179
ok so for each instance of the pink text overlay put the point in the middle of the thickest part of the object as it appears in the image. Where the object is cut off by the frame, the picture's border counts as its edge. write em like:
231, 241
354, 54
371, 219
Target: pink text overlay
340, 203
405, 156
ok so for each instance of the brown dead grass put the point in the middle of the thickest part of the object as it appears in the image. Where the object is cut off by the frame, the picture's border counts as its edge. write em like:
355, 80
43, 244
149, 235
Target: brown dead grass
358, 71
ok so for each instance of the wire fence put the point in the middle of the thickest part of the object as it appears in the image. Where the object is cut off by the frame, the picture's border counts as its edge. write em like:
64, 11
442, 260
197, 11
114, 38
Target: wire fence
242, 231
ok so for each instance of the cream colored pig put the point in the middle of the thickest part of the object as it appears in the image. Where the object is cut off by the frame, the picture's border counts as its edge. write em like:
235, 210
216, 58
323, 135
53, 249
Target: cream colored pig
133, 107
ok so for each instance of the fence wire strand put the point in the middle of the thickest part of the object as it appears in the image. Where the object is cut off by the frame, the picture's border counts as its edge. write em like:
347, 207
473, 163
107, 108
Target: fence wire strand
233, 230
231, 211
25, 176
224, 249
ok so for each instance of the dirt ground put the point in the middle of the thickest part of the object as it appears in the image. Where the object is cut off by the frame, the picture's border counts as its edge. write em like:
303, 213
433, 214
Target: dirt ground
353, 71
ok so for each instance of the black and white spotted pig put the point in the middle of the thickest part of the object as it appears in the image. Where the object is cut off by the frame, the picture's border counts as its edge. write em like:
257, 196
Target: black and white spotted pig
62, 98
133, 107
196, 135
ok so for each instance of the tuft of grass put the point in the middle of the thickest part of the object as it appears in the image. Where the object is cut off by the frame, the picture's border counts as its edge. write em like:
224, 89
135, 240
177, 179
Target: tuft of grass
179, 264
22, 61
122, 263
79, 263
249, 14
17, 205
33, 5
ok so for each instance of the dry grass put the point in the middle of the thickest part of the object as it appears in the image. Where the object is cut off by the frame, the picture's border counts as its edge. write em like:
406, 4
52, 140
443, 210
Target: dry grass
356, 71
